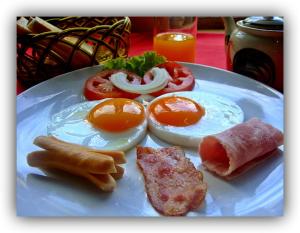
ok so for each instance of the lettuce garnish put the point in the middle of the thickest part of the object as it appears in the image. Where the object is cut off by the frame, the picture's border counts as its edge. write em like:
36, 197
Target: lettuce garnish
136, 64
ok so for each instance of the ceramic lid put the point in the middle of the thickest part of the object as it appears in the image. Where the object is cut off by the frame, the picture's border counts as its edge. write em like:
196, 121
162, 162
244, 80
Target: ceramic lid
264, 22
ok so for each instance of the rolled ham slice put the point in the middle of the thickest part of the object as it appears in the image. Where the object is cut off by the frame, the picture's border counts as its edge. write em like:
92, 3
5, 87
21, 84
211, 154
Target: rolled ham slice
244, 144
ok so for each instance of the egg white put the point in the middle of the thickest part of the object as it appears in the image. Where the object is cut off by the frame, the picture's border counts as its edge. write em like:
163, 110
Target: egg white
71, 125
220, 114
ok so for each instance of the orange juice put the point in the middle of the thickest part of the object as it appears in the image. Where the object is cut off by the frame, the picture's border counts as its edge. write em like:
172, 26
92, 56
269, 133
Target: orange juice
175, 46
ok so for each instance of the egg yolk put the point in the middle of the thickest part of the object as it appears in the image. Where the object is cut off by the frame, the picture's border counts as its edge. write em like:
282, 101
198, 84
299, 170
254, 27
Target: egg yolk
176, 111
117, 115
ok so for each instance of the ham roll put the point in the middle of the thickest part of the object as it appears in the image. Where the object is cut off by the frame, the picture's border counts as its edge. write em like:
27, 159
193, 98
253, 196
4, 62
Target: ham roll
244, 144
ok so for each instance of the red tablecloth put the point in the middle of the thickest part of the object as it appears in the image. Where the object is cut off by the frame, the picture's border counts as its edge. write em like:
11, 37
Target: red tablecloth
210, 49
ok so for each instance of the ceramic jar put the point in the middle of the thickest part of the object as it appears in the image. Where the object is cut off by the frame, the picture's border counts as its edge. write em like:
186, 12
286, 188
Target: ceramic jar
254, 48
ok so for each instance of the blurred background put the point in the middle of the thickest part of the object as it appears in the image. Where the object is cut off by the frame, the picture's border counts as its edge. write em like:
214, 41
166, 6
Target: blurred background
145, 24
49, 46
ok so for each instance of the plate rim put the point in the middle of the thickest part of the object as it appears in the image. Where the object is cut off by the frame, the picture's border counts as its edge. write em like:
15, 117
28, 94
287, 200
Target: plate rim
274, 91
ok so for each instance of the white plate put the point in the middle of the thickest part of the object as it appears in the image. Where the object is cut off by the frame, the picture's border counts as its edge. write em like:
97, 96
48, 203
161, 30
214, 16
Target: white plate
259, 192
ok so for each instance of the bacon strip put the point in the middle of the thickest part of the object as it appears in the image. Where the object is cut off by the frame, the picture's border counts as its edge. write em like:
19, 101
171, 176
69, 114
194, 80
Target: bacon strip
173, 184
235, 148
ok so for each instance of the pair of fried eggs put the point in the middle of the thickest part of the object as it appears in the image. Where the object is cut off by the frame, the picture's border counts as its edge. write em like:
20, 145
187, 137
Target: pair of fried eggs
180, 118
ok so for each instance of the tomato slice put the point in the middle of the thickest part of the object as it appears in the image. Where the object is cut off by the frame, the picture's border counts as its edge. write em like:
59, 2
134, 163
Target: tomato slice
100, 87
182, 78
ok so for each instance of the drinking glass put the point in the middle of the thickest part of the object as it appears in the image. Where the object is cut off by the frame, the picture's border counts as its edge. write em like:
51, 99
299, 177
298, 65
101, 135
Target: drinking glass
175, 38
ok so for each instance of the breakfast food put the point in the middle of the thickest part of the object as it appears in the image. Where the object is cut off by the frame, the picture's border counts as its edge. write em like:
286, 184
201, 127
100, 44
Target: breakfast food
46, 160
139, 64
181, 78
243, 144
38, 25
183, 118
122, 77
99, 167
22, 28
173, 185
100, 87
109, 124
53, 144
160, 79
62, 47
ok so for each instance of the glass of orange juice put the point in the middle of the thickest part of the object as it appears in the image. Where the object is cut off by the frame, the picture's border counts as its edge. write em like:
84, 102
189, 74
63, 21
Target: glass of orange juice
175, 38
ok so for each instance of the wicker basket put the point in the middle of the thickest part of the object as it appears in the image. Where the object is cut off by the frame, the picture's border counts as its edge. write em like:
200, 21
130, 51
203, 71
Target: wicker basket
82, 42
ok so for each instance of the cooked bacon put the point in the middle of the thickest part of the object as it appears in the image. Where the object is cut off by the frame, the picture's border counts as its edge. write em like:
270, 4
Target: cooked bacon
240, 147
173, 184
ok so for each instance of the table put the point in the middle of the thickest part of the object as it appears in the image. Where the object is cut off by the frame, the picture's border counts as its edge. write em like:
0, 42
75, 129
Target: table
210, 49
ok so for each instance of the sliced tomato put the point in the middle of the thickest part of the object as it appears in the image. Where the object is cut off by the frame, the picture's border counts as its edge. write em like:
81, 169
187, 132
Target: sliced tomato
182, 78
100, 87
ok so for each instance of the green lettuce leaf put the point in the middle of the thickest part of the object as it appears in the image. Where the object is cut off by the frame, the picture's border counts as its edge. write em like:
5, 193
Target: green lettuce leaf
137, 64
117, 63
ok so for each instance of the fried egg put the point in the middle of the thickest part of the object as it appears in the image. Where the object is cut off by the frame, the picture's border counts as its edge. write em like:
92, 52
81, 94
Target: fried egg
110, 124
183, 118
